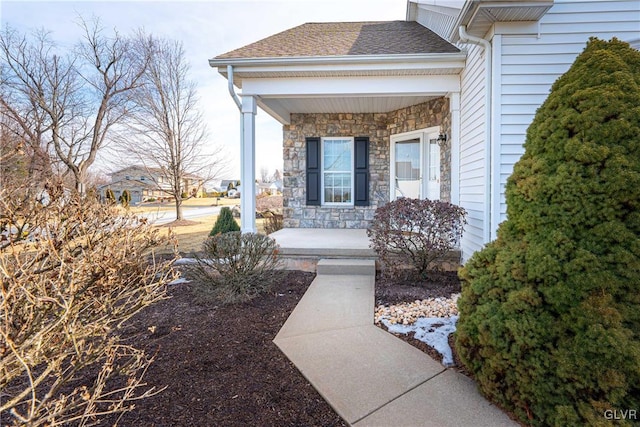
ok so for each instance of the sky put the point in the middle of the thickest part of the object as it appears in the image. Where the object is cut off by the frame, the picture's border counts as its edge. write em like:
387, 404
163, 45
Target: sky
206, 29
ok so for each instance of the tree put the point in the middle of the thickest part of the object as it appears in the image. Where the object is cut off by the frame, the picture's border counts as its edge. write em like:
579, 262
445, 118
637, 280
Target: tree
24, 128
550, 311
264, 174
68, 103
169, 129
225, 223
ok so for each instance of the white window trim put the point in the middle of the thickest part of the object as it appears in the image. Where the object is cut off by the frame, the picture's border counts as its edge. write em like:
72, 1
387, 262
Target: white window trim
351, 171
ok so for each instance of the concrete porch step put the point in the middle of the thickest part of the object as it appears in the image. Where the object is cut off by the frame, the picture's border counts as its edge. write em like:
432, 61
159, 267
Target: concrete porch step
346, 266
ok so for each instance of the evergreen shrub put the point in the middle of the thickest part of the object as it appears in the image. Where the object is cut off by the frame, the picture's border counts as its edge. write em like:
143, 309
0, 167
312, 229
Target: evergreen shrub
109, 196
125, 198
225, 223
550, 311
236, 266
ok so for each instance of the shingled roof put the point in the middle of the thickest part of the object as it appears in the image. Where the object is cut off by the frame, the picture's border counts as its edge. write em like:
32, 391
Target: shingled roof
346, 38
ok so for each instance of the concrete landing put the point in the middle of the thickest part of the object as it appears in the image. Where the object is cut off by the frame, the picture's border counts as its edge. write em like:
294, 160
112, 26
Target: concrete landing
368, 376
302, 248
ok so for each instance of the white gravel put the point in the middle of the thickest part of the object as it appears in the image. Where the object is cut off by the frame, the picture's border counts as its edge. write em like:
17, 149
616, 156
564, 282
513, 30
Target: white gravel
432, 320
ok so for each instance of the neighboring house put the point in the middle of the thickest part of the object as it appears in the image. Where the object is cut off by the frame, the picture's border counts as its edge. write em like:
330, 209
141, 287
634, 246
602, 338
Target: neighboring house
435, 106
271, 188
224, 184
148, 183
138, 190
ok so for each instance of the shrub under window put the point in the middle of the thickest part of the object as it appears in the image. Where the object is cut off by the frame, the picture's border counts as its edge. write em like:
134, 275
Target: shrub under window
415, 231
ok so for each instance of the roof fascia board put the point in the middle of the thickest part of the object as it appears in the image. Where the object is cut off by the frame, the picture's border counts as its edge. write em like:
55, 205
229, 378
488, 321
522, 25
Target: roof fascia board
308, 87
337, 60
244, 72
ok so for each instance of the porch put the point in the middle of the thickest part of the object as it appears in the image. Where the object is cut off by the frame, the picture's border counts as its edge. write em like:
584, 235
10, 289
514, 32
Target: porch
302, 248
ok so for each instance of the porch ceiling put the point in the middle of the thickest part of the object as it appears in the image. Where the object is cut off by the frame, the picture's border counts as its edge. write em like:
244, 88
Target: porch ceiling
281, 108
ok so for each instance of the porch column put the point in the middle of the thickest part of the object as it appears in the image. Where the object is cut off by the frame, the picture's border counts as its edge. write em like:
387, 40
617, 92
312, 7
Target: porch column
248, 165
454, 106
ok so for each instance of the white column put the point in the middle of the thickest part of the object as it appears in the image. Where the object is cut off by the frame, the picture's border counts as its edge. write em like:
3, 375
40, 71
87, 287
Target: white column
454, 138
248, 165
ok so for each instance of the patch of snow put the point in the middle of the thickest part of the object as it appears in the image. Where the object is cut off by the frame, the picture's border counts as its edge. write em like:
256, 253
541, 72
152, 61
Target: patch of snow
434, 331
185, 261
179, 280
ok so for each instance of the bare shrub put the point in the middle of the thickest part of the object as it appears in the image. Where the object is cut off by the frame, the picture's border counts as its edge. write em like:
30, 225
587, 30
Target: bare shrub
420, 232
237, 266
269, 203
272, 222
71, 276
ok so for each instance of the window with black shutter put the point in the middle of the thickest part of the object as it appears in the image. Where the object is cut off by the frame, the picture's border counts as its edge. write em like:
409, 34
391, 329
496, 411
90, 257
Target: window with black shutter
337, 171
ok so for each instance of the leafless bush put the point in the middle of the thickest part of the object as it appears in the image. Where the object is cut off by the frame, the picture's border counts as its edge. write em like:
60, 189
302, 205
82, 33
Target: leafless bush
237, 266
273, 222
270, 203
72, 272
415, 232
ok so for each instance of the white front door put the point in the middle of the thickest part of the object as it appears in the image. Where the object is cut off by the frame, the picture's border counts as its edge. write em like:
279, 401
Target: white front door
415, 165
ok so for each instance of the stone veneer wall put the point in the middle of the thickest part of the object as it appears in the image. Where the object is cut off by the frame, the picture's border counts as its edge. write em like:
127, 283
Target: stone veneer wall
378, 127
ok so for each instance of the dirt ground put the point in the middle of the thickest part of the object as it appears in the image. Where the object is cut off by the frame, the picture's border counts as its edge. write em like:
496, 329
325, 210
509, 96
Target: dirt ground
219, 363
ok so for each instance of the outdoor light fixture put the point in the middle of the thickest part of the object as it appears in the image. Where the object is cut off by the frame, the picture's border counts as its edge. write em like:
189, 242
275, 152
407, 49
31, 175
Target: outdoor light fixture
442, 138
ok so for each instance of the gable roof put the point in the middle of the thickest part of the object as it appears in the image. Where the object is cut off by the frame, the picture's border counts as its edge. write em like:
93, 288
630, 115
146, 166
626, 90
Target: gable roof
346, 39
153, 170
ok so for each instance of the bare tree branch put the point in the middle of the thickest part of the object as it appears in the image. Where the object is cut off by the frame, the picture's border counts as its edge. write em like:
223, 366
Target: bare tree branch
74, 99
169, 130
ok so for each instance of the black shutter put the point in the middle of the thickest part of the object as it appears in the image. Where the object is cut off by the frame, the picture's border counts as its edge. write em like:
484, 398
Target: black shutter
313, 171
361, 170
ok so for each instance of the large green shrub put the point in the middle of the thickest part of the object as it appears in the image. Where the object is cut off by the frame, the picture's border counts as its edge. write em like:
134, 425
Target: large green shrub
550, 311
225, 223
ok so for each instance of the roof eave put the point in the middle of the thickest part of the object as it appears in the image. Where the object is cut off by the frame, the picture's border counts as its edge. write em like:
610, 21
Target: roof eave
471, 12
379, 64
335, 60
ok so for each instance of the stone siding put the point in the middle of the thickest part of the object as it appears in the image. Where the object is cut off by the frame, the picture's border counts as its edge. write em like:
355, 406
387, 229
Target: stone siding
378, 127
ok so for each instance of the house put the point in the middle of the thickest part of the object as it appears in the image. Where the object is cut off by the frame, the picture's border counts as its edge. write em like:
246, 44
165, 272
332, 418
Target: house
148, 183
227, 184
435, 106
270, 188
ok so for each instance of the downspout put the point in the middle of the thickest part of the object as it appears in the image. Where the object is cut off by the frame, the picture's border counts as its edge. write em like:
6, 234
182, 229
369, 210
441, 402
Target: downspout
486, 45
232, 91
235, 98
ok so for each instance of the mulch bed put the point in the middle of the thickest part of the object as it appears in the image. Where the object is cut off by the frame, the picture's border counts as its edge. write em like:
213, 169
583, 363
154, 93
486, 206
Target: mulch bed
220, 366
219, 363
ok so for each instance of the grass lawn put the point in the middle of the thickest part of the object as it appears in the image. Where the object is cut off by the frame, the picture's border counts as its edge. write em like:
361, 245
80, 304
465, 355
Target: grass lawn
191, 237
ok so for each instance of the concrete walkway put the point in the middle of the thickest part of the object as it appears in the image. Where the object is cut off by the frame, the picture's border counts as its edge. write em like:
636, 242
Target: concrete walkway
370, 377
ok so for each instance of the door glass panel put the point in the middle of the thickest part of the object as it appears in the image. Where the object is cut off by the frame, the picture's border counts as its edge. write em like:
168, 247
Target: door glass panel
407, 168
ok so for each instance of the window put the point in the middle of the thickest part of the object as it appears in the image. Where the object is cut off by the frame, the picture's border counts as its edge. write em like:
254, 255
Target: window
337, 171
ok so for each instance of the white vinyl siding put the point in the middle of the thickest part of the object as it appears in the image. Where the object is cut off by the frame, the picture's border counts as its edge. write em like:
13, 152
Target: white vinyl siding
530, 65
472, 150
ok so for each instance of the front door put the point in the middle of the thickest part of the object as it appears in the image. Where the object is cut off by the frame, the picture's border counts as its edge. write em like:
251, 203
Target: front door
415, 165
